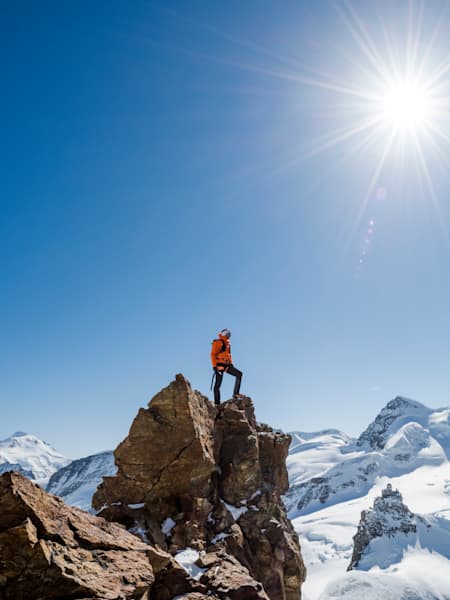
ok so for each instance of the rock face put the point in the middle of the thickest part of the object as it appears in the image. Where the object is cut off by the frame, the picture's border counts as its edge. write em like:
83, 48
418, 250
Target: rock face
194, 476
388, 517
49, 550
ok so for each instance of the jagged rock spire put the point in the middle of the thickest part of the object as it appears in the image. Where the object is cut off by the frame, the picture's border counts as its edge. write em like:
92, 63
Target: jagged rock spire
200, 486
194, 476
388, 517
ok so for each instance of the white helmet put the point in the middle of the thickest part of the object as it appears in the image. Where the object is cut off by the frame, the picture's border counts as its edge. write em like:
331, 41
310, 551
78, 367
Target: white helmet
226, 333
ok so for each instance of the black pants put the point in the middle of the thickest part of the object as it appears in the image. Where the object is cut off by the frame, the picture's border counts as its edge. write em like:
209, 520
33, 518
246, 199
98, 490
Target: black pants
231, 370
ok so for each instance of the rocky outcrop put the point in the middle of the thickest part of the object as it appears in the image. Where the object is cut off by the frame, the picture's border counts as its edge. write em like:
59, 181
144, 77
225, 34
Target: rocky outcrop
388, 517
191, 475
49, 550
168, 454
229, 578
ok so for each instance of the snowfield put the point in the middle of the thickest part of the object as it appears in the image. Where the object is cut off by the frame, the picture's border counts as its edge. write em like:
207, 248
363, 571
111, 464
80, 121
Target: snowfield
420, 576
408, 446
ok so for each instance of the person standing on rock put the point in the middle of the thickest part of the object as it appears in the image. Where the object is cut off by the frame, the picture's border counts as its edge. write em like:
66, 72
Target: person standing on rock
223, 363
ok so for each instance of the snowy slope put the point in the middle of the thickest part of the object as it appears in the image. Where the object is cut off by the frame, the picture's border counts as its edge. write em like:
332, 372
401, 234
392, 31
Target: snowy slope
407, 445
312, 454
29, 455
77, 482
420, 575
326, 538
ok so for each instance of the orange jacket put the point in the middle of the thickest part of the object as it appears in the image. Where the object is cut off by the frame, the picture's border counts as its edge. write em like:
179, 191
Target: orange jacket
221, 352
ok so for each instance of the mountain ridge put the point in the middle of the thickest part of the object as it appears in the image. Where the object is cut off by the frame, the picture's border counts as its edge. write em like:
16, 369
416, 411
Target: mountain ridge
413, 457
404, 435
77, 481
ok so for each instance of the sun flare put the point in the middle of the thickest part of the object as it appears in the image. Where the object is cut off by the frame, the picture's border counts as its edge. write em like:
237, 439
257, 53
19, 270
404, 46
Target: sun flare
385, 95
406, 105
392, 99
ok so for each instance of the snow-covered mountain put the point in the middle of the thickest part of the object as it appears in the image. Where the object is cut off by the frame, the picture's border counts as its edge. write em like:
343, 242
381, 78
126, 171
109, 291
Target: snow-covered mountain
334, 478
77, 482
390, 527
331, 467
402, 416
399, 554
313, 454
31, 456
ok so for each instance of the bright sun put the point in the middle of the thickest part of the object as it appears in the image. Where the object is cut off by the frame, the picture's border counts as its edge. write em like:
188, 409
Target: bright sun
406, 105
391, 98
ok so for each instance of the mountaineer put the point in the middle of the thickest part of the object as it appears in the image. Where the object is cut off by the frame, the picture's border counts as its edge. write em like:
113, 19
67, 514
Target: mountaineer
223, 363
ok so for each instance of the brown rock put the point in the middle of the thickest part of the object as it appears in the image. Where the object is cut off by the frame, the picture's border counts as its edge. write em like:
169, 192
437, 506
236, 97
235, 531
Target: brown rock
198, 596
49, 550
168, 453
270, 548
273, 451
173, 581
212, 480
158, 559
238, 451
229, 579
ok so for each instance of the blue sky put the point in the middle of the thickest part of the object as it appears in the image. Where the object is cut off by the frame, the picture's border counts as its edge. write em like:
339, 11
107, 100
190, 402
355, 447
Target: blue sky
163, 177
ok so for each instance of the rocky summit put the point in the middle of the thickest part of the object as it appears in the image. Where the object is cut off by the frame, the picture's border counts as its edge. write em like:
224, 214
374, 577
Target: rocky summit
204, 484
194, 512
388, 517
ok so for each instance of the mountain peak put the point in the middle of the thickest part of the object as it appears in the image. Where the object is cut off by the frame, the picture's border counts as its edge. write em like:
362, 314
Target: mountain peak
404, 403
396, 412
388, 517
219, 480
27, 454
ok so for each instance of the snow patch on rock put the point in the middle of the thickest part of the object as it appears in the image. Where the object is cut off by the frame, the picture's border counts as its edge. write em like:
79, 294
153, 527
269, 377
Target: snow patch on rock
187, 559
236, 511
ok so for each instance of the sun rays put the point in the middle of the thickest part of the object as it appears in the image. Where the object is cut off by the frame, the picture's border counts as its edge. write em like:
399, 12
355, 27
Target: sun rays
406, 84
393, 98
383, 87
